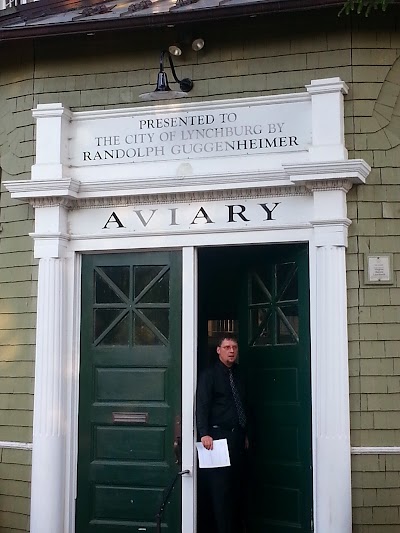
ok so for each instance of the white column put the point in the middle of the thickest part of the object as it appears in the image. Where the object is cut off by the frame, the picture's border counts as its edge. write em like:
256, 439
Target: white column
332, 468
48, 456
49, 418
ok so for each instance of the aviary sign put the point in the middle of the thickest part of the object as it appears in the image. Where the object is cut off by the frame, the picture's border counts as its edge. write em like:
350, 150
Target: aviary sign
235, 213
194, 217
193, 133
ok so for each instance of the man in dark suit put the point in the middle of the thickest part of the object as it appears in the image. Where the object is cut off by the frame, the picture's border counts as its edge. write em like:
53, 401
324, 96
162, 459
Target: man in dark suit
220, 414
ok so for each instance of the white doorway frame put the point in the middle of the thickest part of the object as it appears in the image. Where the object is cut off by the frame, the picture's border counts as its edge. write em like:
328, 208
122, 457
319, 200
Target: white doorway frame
330, 445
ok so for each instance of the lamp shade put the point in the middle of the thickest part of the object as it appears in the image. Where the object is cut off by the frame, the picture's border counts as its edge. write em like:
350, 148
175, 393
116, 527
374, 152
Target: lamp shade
198, 44
175, 50
162, 82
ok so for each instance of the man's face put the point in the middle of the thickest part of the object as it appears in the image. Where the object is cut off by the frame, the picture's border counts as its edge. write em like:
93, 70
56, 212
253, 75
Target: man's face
228, 352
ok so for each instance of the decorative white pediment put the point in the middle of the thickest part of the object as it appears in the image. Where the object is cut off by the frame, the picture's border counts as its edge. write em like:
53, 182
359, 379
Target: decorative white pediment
267, 141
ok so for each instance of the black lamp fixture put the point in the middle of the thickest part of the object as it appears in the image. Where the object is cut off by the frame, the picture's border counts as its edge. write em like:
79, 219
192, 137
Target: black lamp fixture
163, 90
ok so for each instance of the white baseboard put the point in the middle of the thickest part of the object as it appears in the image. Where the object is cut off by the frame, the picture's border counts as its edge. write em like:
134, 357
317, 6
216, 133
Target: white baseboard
16, 445
375, 450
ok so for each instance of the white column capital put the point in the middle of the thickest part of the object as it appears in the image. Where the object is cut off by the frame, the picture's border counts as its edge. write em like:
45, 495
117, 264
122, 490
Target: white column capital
330, 220
329, 185
50, 246
331, 234
329, 204
51, 110
327, 86
51, 231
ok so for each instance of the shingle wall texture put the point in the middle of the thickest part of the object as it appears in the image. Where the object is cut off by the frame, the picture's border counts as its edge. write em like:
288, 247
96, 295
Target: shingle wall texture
15, 475
250, 58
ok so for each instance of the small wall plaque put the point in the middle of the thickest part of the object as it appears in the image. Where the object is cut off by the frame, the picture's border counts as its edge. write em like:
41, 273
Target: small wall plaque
378, 269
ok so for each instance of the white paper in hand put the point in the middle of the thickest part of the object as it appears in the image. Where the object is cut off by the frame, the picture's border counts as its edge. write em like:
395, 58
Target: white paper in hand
215, 458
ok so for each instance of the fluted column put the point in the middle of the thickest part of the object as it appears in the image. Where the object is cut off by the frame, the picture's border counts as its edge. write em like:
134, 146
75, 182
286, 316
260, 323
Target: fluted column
332, 468
49, 432
48, 456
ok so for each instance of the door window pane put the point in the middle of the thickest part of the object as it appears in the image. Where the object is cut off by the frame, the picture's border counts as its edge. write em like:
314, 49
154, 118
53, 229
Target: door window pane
273, 308
288, 327
118, 275
159, 292
260, 291
104, 293
144, 275
261, 327
143, 335
103, 319
160, 320
118, 335
286, 281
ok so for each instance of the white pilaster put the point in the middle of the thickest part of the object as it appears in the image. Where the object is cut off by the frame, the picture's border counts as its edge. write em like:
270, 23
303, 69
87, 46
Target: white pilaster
332, 469
327, 119
52, 123
49, 420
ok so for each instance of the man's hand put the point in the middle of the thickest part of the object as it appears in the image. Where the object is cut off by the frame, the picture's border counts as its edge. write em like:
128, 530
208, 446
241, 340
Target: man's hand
207, 442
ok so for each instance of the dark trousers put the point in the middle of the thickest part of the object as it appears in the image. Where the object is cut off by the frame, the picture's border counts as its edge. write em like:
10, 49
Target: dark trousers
226, 487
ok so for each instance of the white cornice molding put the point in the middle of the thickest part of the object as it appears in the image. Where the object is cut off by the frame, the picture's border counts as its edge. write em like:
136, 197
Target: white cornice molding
131, 186
31, 189
344, 222
175, 197
355, 170
314, 175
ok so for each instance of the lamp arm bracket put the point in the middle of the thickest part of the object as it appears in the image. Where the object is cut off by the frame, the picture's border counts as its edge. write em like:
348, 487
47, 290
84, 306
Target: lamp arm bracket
186, 84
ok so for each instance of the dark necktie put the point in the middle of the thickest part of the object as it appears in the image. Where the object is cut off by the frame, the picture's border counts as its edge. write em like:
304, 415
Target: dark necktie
238, 401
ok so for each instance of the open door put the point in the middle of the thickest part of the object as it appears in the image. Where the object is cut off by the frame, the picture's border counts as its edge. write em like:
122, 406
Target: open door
275, 346
130, 392
261, 294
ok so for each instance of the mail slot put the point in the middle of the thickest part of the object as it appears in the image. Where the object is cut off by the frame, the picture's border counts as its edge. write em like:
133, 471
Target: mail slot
129, 417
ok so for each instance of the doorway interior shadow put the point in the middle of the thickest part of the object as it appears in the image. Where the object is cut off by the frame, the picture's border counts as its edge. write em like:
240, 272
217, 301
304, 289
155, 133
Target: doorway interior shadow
260, 294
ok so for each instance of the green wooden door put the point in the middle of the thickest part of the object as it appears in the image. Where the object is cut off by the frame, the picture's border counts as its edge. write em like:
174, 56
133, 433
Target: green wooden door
275, 357
130, 391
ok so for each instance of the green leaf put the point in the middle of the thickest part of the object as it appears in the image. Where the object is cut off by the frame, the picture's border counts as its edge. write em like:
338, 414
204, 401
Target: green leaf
363, 6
